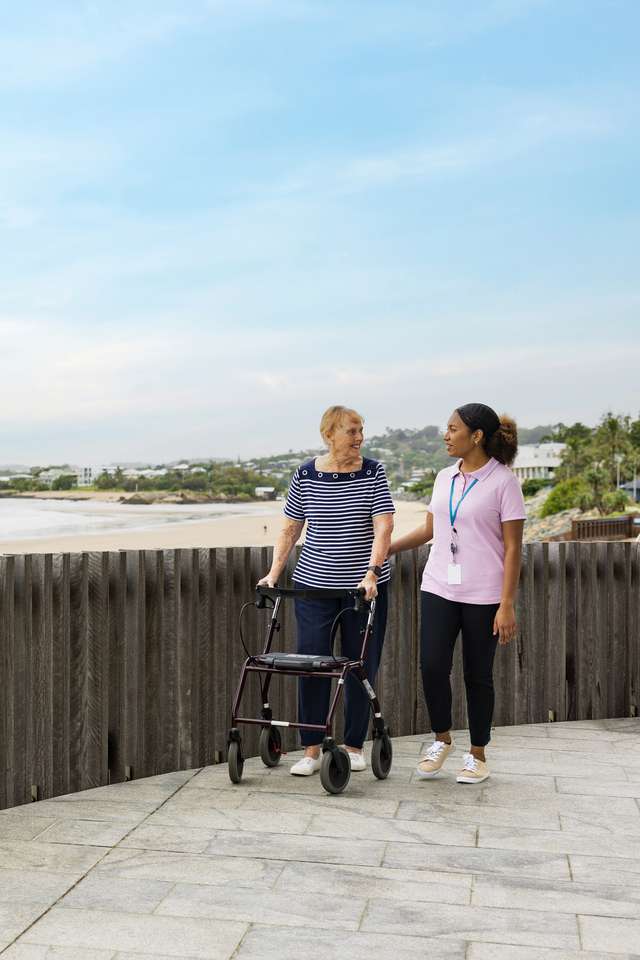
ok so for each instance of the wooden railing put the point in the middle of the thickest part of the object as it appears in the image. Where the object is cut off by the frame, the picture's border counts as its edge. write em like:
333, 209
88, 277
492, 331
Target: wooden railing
116, 665
613, 528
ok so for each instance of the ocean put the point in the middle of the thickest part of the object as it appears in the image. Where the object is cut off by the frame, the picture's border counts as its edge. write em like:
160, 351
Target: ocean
25, 519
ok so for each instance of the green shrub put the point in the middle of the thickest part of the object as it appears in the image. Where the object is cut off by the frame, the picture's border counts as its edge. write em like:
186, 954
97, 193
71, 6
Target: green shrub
534, 485
67, 481
422, 488
564, 496
615, 501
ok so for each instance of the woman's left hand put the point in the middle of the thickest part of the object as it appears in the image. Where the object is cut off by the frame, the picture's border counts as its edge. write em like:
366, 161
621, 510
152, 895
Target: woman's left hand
504, 623
369, 584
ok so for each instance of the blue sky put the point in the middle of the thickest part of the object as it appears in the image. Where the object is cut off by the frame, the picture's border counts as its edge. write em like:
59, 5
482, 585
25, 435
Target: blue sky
217, 218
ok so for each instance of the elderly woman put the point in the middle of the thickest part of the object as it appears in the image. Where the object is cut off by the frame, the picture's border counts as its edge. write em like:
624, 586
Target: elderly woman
344, 499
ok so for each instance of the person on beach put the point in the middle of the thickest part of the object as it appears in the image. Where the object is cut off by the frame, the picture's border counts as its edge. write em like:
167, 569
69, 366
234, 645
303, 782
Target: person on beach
475, 519
345, 501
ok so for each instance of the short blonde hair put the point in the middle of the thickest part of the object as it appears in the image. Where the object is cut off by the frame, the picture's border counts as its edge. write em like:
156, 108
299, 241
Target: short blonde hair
333, 417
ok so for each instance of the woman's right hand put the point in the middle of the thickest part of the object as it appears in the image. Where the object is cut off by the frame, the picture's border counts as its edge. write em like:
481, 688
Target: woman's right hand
268, 581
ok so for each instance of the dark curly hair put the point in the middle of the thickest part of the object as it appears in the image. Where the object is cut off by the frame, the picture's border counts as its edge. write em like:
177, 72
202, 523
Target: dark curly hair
500, 434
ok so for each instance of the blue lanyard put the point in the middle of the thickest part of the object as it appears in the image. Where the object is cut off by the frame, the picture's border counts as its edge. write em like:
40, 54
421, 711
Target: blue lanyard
454, 513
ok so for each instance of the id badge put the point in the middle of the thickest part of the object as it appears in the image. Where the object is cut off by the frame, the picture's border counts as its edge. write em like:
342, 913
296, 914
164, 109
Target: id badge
454, 574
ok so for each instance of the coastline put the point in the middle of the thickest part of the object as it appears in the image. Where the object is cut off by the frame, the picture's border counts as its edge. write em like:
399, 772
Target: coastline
140, 498
229, 530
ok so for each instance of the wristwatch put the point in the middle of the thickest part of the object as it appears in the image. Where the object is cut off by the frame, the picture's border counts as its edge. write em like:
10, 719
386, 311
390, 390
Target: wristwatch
375, 569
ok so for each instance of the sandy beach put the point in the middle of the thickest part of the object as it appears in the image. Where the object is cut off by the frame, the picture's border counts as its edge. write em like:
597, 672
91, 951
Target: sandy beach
259, 528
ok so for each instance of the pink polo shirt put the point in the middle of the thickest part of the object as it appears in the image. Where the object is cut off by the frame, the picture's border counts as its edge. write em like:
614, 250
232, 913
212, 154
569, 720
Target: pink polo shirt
495, 498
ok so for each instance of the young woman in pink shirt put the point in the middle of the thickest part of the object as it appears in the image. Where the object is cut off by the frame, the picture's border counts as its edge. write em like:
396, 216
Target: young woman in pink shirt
475, 519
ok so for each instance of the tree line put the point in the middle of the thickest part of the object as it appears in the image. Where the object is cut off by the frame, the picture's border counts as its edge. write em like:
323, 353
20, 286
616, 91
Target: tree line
595, 463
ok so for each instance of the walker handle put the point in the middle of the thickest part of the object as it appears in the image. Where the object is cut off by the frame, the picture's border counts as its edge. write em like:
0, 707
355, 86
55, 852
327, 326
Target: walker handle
309, 593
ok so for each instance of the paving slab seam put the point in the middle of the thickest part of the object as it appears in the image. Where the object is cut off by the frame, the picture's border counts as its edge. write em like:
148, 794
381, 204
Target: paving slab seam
591, 855
409, 936
235, 953
444, 938
363, 915
283, 861
86, 874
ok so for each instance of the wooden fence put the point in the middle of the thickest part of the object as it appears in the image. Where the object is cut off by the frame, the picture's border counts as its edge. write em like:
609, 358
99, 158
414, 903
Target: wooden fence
117, 665
612, 528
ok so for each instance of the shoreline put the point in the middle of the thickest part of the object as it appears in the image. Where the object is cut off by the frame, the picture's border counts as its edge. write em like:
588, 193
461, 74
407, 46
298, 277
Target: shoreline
139, 498
228, 530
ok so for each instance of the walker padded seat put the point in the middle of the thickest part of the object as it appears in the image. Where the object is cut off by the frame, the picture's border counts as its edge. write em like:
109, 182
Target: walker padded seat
309, 662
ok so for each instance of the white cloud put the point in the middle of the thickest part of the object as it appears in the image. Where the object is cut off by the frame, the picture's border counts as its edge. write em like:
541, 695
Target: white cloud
65, 41
63, 44
515, 127
186, 392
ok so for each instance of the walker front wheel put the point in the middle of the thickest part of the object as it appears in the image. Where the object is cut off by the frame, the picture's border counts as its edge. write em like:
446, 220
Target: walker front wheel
335, 770
236, 761
382, 756
270, 746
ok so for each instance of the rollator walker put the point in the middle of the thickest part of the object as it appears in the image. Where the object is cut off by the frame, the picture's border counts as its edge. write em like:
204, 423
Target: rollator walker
335, 769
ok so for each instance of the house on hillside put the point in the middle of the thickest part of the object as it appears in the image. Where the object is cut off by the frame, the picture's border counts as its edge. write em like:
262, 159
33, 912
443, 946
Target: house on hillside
538, 461
85, 475
265, 493
47, 477
632, 489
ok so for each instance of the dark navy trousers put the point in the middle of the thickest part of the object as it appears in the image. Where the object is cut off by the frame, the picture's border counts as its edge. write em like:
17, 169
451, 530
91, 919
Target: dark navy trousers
442, 621
314, 619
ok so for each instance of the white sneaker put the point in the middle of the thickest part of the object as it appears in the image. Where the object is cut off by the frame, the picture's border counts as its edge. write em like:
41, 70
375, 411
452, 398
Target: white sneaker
306, 766
473, 770
357, 761
431, 763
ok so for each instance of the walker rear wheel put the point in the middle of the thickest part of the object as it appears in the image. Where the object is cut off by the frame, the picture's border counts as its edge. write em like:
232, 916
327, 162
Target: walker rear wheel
382, 756
335, 770
236, 761
270, 746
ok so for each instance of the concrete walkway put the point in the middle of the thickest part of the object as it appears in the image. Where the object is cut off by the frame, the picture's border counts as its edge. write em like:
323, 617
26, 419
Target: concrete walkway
542, 862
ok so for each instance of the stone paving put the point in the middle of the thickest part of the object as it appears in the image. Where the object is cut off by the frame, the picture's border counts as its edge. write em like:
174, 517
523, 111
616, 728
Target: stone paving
541, 862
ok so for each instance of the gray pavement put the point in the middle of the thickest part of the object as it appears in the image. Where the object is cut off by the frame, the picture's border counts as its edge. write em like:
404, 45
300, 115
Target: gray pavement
541, 862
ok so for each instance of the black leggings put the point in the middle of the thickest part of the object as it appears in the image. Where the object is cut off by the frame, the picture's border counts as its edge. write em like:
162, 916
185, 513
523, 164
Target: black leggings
442, 621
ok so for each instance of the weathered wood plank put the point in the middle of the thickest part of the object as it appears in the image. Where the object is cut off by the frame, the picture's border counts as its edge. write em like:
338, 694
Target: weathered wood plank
523, 643
221, 685
116, 682
159, 592
98, 668
61, 674
587, 640
602, 629
184, 590
134, 665
617, 612
556, 631
572, 630
8, 793
79, 671
633, 637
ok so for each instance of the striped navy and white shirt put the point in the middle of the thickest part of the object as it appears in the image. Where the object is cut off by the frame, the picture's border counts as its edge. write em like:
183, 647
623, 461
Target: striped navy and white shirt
339, 510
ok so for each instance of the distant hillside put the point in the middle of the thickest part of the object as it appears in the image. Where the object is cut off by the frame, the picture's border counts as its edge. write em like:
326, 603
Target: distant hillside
535, 434
405, 451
